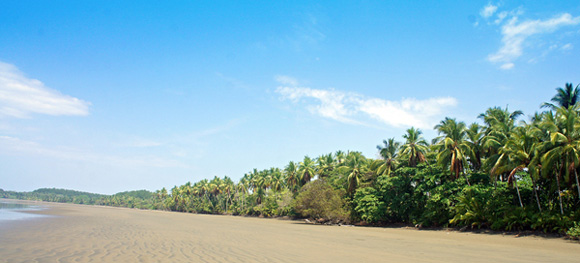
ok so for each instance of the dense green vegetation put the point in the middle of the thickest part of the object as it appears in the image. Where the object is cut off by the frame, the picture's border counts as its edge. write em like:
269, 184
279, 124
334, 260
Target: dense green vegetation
503, 174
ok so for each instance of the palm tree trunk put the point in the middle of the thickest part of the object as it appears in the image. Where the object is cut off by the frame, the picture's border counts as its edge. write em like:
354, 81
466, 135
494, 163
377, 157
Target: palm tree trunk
518, 190
536, 193
559, 192
577, 184
466, 179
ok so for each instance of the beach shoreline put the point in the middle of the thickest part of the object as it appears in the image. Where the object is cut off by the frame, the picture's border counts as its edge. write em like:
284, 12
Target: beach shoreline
83, 233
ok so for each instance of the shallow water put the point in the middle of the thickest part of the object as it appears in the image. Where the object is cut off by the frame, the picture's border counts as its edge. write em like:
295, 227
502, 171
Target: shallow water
10, 210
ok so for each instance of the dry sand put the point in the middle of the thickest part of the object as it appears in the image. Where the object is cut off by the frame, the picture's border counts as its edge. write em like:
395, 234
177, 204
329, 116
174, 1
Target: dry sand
76, 233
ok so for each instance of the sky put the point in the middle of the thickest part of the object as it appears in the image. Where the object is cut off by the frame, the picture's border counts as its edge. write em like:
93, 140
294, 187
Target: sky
110, 96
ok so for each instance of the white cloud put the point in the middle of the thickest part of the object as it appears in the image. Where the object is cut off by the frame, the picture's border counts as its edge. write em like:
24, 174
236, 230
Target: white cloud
500, 17
407, 112
351, 107
488, 10
516, 33
568, 46
21, 96
507, 66
333, 104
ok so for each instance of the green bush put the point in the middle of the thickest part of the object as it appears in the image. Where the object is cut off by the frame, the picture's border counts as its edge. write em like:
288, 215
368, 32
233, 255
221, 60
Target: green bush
367, 205
318, 200
574, 232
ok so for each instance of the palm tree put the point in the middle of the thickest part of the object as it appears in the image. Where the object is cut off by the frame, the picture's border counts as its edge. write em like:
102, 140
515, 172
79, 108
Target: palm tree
389, 153
452, 146
339, 157
517, 155
355, 165
564, 145
499, 124
564, 98
242, 188
415, 147
475, 137
227, 185
306, 170
291, 173
324, 165
276, 181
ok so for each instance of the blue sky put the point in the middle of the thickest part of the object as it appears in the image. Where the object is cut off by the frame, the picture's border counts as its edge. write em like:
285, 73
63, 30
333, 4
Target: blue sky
108, 96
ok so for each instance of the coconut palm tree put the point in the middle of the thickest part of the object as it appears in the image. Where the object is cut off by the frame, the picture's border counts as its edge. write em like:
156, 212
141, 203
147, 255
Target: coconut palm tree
452, 146
517, 154
415, 147
565, 97
475, 137
292, 178
306, 170
564, 144
276, 181
355, 165
324, 165
339, 157
499, 124
389, 153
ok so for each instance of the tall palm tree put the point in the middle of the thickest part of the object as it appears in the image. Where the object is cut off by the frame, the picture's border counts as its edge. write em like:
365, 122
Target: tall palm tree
499, 124
452, 146
565, 97
475, 137
242, 188
227, 185
306, 170
324, 165
415, 147
517, 155
339, 157
276, 181
291, 173
389, 153
564, 144
355, 165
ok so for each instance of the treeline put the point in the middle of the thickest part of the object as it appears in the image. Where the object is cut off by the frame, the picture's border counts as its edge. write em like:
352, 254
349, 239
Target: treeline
504, 173
142, 199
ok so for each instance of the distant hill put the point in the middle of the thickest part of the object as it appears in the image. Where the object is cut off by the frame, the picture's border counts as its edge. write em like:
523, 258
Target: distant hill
66, 192
134, 199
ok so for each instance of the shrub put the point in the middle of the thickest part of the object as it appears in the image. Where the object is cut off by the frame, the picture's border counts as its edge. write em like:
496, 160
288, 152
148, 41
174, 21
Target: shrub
367, 205
574, 232
318, 200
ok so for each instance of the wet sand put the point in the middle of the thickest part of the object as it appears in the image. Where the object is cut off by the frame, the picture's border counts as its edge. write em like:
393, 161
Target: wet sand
76, 233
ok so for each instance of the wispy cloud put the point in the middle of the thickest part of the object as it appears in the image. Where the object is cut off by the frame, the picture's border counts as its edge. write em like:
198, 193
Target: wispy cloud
21, 96
488, 10
516, 34
10, 145
568, 46
353, 108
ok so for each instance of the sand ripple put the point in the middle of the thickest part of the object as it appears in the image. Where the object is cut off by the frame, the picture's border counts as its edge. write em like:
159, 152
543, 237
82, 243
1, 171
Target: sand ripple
105, 234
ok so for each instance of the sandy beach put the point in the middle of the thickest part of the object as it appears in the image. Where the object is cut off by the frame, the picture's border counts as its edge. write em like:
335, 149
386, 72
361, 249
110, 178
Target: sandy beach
77, 233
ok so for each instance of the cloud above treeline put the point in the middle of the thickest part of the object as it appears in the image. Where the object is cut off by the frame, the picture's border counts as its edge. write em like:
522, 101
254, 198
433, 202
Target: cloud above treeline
354, 108
21, 96
517, 32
